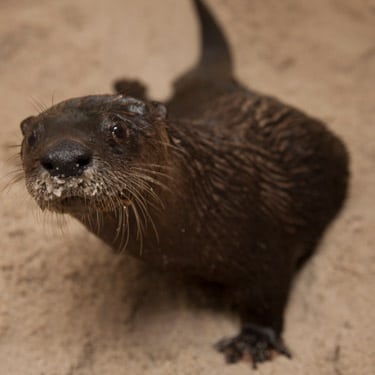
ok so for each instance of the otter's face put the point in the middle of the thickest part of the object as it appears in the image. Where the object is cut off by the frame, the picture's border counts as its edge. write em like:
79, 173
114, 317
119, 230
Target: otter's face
92, 153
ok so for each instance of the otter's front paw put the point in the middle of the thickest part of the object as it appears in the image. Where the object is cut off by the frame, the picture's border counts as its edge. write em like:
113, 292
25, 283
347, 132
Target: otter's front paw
256, 343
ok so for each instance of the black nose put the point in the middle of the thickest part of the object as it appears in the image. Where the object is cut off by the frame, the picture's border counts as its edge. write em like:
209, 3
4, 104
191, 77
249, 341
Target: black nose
66, 159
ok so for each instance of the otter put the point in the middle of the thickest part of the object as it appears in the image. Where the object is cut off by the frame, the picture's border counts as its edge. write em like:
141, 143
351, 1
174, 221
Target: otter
220, 182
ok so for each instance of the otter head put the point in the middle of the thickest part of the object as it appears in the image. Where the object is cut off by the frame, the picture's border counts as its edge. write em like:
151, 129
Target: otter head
93, 153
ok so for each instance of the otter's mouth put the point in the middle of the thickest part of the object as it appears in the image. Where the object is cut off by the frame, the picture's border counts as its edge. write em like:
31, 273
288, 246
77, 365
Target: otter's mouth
82, 195
66, 195
72, 201
71, 204
77, 205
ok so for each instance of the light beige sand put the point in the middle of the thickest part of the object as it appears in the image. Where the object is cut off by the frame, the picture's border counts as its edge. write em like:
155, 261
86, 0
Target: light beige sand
67, 304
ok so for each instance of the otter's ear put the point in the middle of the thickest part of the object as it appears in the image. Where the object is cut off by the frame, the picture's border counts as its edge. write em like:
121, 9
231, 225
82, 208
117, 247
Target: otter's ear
159, 110
25, 124
131, 87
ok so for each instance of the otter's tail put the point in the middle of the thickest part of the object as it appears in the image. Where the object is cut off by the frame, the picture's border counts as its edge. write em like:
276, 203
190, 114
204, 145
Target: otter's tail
215, 55
211, 74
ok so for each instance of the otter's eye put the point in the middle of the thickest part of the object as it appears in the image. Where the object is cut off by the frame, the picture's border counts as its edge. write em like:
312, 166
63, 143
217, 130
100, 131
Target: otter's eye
31, 139
117, 132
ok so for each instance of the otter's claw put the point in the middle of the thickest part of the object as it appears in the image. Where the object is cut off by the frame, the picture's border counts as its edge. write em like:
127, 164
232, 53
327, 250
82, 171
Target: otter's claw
258, 343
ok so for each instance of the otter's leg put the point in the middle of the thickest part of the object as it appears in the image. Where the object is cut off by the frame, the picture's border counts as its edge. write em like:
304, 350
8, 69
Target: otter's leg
132, 88
262, 322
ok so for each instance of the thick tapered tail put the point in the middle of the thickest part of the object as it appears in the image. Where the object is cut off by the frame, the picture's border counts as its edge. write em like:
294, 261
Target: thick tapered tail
215, 51
210, 75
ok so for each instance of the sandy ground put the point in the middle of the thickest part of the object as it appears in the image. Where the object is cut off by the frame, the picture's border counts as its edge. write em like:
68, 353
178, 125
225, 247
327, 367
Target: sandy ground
70, 306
